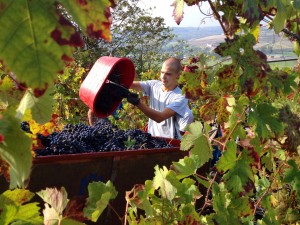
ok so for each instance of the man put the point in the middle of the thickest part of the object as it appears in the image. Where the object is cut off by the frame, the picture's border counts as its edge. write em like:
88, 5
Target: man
185, 120
166, 101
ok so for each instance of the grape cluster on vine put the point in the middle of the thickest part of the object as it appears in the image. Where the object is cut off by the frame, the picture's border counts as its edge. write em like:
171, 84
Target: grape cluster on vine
102, 137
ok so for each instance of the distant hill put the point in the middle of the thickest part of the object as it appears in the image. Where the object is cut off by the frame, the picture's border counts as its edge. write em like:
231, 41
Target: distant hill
188, 33
207, 38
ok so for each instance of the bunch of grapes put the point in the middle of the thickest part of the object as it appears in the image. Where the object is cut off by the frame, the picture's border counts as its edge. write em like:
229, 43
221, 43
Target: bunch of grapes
102, 137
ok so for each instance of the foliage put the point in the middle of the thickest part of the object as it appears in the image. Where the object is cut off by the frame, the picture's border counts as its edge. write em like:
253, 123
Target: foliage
68, 105
256, 179
135, 34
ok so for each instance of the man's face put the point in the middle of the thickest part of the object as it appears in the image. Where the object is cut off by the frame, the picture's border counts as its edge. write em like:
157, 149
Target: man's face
168, 76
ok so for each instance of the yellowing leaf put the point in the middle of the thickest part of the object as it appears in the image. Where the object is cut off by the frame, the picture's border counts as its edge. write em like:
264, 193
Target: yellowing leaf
255, 31
6, 84
16, 197
56, 198
167, 190
14, 208
178, 10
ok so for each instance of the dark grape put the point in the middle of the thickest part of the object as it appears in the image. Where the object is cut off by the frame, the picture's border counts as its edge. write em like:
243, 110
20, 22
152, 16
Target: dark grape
102, 137
25, 126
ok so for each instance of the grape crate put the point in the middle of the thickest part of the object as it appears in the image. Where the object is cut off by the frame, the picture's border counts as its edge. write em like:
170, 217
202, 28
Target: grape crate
102, 137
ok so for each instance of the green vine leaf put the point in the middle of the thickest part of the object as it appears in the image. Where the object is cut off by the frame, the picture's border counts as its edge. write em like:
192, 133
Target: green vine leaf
160, 181
145, 201
16, 153
71, 222
186, 188
263, 118
37, 40
296, 4
228, 210
240, 179
187, 166
251, 11
280, 17
99, 196
41, 107
14, 211
92, 16
236, 110
197, 143
292, 176
229, 157
270, 215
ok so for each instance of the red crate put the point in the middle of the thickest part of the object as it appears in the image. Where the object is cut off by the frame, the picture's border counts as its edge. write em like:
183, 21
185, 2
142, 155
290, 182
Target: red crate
106, 68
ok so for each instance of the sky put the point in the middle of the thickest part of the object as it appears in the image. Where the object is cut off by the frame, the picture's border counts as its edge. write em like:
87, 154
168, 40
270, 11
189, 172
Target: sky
192, 17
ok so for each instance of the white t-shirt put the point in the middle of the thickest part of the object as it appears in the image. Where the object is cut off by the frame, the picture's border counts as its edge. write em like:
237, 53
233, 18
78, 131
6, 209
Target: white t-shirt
184, 120
159, 100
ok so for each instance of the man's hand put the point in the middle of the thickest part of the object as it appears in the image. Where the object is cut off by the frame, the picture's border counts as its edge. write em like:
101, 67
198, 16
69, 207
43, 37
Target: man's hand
133, 98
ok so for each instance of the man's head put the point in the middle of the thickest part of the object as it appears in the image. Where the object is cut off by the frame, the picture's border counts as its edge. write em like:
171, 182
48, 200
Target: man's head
170, 73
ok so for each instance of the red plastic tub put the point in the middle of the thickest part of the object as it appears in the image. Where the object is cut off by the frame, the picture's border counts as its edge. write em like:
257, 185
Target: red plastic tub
101, 97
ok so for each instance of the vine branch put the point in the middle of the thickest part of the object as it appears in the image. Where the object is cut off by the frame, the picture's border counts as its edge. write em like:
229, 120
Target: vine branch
218, 16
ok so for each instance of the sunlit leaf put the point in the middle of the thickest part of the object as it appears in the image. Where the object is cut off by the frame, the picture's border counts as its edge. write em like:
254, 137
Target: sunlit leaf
29, 213
16, 197
26, 46
6, 84
37, 40
92, 16
8, 214
12, 203
55, 202
186, 166
197, 142
160, 181
186, 189
178, 10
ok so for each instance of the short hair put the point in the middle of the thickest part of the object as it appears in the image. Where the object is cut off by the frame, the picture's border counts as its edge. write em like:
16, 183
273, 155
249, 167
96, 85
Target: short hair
175, 63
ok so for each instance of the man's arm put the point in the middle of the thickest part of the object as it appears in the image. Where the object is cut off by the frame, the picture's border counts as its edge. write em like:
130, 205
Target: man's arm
136, 86
92, 117
156, 115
